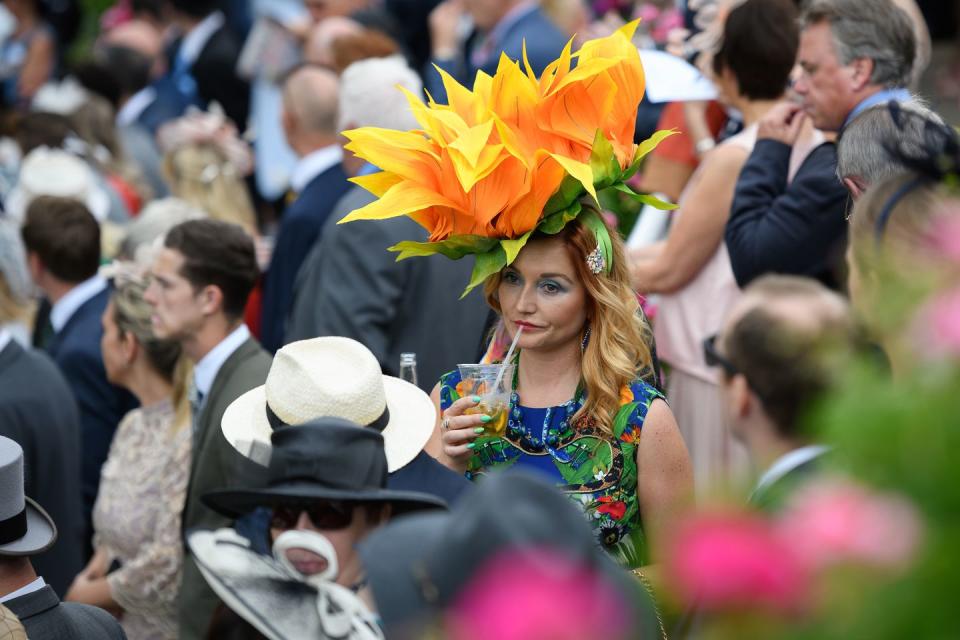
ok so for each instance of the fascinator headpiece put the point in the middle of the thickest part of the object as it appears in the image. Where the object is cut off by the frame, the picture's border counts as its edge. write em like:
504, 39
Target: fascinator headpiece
514, 155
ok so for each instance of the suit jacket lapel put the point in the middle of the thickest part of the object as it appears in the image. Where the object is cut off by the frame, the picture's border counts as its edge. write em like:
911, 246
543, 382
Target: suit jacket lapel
243, 352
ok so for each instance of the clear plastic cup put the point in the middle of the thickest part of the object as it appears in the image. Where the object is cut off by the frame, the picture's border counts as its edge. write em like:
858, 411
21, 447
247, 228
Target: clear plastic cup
481, 380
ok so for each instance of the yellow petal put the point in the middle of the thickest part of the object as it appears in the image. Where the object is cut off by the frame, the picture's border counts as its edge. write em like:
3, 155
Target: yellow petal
377, 183
402, 199
579, 170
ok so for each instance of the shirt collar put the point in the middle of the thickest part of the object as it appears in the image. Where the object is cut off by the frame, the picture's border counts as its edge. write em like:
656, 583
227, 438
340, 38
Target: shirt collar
205, 372
194, 42
36, 585
787, 463
5, 339
881, 97
64, 309
135, 106
313, 164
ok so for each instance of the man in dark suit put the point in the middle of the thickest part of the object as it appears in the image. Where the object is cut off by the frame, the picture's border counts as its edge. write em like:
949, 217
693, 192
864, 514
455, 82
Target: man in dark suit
62, 239
201, 280
310, 125
777, 350
351, 286
38, 412
499, 26
27, 531
203, 62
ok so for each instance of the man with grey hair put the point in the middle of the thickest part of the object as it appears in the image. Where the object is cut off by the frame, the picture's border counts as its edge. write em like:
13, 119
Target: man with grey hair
352, 286
863, 153
853, 54
310, 124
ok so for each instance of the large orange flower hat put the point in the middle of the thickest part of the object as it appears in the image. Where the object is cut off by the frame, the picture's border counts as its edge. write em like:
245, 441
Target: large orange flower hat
514, 155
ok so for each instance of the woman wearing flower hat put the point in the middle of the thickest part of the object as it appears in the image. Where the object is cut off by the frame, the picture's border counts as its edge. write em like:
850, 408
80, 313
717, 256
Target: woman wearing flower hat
509, 172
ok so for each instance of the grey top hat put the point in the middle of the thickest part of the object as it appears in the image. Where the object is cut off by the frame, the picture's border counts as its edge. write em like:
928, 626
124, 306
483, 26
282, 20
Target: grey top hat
25, 528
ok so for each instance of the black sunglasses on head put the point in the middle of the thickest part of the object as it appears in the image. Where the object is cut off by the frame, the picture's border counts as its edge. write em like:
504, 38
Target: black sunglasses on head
327, 516
715, 359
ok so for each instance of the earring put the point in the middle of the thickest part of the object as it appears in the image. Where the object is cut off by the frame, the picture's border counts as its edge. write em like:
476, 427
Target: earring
586, 339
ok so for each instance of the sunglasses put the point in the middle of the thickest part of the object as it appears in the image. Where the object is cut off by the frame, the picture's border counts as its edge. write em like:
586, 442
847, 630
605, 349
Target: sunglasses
715, 359
328, 516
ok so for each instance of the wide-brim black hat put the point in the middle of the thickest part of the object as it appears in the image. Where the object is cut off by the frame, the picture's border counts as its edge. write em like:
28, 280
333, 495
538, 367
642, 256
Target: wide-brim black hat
327, 459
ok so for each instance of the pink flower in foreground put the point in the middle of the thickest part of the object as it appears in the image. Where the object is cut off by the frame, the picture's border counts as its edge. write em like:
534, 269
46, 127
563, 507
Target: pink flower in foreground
736, 561
536, 596
836, 521
938, 325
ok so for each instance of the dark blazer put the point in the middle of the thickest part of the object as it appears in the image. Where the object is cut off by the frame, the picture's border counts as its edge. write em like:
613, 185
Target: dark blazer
544, 43
798, 228
37, 410
216, 465
426, 475
215, 71
76, 350
44, 617
299, 229
351, 286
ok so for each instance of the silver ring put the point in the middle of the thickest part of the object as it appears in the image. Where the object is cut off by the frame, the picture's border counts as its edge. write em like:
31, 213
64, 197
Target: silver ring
445, 424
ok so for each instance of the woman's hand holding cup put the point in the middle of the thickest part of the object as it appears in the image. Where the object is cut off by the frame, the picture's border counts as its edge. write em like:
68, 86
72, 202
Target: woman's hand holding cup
459, 430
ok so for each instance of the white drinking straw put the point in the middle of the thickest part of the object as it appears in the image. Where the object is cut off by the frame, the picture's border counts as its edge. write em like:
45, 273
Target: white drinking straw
506, 359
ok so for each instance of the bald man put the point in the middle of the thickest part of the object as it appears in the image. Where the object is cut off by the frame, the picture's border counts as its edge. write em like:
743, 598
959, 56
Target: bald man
309, 120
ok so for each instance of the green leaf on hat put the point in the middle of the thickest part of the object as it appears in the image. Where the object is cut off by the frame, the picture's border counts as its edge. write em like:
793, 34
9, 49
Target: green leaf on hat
592, 219
603, 162
645, 148
569, 192
487, 264
512, 247
556, 222
646, 198
454, 247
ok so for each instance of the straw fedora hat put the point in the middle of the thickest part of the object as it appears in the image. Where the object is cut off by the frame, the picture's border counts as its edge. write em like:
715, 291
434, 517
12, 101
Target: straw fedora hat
331, 377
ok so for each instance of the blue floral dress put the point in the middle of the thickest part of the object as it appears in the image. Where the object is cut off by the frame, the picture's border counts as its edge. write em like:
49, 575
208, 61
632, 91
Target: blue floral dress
598, 472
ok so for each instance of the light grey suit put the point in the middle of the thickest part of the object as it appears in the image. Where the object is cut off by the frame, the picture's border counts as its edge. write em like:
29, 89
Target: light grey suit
350, 285
216, 465
44, 617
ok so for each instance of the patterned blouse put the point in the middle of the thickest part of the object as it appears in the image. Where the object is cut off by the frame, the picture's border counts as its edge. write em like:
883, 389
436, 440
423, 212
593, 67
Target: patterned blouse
597, 471
137, 519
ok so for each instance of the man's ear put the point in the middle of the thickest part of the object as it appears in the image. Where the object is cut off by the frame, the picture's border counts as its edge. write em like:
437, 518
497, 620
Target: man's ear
855, 185
862, 73
741, 396
211, 299
35, 264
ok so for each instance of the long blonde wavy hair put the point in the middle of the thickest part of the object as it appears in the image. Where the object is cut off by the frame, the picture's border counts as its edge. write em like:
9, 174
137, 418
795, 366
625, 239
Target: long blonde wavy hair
618, 349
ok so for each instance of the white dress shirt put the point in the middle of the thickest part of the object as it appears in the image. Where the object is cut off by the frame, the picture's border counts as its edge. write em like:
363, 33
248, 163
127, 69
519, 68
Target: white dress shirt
64, 309
787, 463
36, 585
193, 43
5, 339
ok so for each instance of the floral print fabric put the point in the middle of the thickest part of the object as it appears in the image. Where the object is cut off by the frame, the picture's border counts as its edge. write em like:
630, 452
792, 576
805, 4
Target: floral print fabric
595, 470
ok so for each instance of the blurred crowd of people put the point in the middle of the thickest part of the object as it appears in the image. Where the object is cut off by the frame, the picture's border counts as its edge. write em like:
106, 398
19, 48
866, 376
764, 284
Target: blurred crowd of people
211, 421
